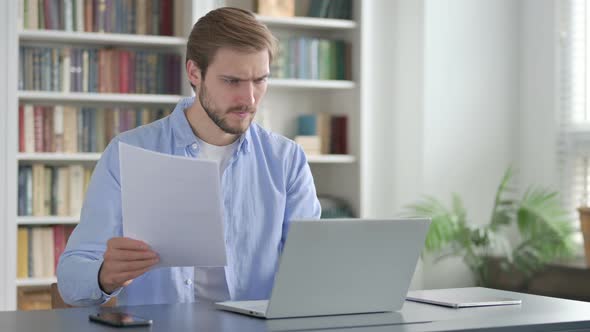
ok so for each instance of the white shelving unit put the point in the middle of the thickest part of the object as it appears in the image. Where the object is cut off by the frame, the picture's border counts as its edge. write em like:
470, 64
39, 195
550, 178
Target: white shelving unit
49, 220
311, 84
184, 12
331, 159
337, 175
94, 38
310, 23
81, 97
334, 175
53, 157
35, 282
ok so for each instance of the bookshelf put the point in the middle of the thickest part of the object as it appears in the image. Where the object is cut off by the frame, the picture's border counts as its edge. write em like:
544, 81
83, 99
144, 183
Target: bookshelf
96, 38
19, 36
35, 282
311, 84
310, 23
48, 220
287, 98
89, 97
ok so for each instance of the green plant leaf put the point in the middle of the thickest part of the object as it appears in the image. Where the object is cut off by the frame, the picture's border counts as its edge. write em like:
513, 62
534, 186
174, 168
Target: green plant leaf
443, 225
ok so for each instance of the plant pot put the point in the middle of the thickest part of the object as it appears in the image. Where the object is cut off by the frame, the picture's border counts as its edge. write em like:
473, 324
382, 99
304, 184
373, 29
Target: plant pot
585, 227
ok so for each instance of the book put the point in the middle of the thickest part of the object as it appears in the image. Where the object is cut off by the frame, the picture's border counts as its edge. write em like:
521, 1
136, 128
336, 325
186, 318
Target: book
22, 252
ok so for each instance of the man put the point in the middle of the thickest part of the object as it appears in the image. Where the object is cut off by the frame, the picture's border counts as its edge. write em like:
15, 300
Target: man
265, 179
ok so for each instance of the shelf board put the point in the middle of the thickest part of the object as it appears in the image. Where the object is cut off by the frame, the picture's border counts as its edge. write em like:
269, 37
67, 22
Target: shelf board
69, 157
36, 281
49, 156
43, 96
49, 220
101, 38
307, 22
311, 84
331, 159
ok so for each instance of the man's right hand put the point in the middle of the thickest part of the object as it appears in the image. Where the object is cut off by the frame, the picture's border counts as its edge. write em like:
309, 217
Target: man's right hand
124, 260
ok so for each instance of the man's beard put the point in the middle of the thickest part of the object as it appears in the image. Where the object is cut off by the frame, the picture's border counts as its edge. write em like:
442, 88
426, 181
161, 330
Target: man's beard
216, 116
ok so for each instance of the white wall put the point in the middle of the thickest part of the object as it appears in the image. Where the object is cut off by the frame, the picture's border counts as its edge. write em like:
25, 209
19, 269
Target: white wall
539, 103
392, 126
443, 87
471, 88
392, 130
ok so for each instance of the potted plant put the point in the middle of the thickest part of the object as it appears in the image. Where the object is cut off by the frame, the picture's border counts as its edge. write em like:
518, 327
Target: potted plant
543, 228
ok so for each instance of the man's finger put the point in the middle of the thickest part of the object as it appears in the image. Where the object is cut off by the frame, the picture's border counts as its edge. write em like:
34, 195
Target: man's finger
132, 255
127, 266
126, 277
127, 243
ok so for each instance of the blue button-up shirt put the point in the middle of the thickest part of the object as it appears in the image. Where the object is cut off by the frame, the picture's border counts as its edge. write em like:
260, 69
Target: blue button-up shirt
266, 184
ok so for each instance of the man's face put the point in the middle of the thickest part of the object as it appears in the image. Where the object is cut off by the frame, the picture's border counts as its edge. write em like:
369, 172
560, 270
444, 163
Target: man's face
233, 86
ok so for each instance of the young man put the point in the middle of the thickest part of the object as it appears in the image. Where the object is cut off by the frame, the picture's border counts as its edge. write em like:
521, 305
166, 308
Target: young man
266, 181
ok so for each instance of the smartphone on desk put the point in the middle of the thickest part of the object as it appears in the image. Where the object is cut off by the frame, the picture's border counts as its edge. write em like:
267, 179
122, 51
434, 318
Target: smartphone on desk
119, 319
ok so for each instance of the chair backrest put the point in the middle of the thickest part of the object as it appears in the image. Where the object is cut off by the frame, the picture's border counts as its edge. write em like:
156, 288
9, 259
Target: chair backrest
58, 303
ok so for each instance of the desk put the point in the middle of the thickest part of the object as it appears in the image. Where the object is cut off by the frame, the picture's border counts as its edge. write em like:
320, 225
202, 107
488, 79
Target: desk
536, 313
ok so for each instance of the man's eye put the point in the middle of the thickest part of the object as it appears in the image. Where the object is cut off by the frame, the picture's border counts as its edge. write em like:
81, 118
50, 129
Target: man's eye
231, 81
260, 80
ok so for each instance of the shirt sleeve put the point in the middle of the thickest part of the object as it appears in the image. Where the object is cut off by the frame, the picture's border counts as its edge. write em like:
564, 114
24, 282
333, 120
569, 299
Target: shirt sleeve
100, 220
302, 201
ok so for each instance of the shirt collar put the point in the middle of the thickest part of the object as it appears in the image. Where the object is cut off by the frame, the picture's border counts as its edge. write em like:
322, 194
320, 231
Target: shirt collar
183, 133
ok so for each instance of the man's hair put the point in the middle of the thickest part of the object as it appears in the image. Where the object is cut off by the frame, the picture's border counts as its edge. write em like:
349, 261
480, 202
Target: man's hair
229, 27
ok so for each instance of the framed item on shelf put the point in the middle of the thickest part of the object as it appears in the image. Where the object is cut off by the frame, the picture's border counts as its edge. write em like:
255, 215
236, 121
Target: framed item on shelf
281, 8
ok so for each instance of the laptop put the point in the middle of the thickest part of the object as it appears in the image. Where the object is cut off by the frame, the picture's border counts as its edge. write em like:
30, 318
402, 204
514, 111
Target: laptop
341, 266
461, 297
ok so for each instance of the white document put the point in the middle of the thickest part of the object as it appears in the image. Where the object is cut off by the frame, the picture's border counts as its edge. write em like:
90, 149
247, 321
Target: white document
174, 205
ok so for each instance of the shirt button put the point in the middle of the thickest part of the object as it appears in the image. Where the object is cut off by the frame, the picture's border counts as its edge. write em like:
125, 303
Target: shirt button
194, 146
188, 282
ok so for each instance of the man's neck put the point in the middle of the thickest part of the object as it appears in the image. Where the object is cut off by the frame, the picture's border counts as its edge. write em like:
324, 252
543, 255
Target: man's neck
204, 128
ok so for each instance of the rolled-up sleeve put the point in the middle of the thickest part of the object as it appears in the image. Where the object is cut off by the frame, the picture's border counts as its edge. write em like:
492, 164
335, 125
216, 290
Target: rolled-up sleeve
100, 220
302, 201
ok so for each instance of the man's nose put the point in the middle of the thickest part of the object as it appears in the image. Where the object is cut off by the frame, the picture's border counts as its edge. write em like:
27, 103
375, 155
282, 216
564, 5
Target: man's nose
247, 94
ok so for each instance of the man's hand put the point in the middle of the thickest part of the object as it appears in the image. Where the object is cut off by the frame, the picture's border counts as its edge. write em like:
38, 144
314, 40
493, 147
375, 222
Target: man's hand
124, 260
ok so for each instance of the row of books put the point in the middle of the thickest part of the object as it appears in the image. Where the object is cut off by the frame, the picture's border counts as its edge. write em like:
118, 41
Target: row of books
39, 249
341, 9
68, 69
52, 190
153, 17
322, 133
73, 129
313, 58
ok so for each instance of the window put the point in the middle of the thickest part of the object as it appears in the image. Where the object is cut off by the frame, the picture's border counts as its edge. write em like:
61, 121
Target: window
574, 67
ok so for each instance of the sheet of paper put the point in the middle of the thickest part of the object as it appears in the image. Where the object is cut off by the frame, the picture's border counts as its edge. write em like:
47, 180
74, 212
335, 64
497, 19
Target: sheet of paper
173, 204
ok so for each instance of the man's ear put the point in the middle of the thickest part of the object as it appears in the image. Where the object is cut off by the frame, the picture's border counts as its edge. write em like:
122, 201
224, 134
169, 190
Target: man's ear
193, 72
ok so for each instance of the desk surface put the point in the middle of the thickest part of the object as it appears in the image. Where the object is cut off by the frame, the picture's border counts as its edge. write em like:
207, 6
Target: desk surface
536, 313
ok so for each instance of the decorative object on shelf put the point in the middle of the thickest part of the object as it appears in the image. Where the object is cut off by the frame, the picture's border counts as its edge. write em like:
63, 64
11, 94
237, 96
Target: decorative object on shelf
543, 226
280, 8
334, 207
322, 133
340, 9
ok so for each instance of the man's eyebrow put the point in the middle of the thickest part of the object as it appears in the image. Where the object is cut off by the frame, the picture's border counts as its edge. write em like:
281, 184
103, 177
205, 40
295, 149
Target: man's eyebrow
230, 77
